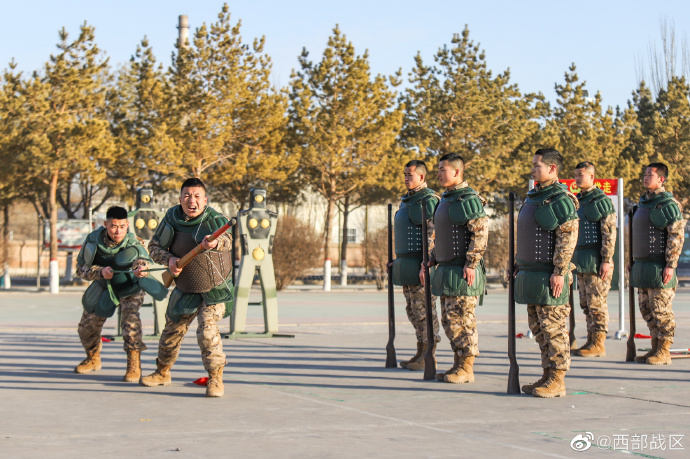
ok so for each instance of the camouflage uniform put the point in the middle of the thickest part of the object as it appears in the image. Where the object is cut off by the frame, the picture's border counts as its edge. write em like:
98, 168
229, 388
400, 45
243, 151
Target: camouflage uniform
656, 303
549, 323
593, 289
414, 294
207, 333
457, 312
90, 325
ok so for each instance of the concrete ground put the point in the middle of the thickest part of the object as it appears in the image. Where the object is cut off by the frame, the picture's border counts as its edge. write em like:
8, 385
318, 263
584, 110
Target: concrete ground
326, 393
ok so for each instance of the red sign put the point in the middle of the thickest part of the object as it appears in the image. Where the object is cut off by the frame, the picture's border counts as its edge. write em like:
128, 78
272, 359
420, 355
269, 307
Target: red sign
608, 186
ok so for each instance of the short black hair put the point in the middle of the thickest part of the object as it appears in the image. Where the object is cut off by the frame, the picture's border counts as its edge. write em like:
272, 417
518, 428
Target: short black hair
453, 158
551, 156
661, 169
586, 165
420, 166
116, 213
193, 182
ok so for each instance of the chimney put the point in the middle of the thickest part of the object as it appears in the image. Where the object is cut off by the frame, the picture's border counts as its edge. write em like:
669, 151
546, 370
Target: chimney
183, 38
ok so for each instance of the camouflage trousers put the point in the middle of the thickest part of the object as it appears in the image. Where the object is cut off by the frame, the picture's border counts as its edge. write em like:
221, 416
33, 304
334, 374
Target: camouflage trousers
549, 324
593, 295
91, 326
207, 335
460, 323
416, 311
656, 309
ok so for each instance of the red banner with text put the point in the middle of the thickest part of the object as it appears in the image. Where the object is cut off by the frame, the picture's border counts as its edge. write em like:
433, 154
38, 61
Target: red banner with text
608, 186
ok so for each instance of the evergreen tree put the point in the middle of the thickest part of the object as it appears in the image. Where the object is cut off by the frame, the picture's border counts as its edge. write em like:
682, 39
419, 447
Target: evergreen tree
343, 124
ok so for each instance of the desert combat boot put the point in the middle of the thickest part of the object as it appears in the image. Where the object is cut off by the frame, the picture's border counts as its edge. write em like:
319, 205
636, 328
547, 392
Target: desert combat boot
553, 387
421, 350
420, 364
133, 366
214, 386
662, 356
596, 348
643, 358
160, 377
456, 365
465, 372
92, 362
529, 388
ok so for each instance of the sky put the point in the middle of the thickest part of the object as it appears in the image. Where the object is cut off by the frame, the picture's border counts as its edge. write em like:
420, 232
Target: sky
608, 40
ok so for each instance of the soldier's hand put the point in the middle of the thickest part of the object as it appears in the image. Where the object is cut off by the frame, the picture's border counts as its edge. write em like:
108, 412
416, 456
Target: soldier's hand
421, 274
139, 271
388, 267
209, 245
605, 269
468, 274
667, 275
172, 267
107, 272
557, 285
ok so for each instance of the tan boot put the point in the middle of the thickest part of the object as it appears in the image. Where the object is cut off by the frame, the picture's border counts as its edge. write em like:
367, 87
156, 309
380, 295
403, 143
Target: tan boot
528, 388
421, 350
575, 350
454, 368
420, 364
643, 358
214, 386
92, 362
133, 366
597, 348
662, 356
553, 387
160, 377
464, 374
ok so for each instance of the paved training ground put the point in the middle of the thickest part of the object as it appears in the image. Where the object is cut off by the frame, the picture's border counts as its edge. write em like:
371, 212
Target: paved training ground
326, 392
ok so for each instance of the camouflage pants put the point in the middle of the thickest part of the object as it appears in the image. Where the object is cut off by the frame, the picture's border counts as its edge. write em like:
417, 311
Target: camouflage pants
549, 324
655, 306
90, 325
460, 323
207, 335
416, 311
593, 295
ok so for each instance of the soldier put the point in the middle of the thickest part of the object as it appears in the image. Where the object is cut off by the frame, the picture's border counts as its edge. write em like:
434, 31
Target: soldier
593, 258
115, 261
203, 287
547, 232
658, 233
461, 236
408, 253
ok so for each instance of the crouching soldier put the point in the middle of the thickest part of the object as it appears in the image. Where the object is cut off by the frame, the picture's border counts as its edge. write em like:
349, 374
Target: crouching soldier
408, 253
115, 261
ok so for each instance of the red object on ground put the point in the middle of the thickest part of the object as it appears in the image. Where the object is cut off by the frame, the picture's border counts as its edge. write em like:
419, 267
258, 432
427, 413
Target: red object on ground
105, 340
641, 336
520, 335
201, 381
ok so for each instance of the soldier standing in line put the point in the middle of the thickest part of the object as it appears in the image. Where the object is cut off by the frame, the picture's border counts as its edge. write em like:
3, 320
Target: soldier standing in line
547, 231
106, 250
408, 253
203, 287
658, 234
593, 257
462, 232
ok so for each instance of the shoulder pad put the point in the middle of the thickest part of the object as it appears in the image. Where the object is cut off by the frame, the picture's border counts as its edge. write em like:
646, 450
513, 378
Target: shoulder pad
600, 207
665, 215
467, 208
88, 253
560, 210
415, 210
165, 233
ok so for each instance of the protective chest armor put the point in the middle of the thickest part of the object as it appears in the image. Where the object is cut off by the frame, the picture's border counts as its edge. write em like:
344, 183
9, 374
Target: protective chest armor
456, 209
207, 270
594, 207
649, 224
544, 210
408, 222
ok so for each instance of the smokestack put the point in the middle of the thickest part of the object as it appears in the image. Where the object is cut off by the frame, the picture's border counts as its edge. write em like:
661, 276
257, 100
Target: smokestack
183, 38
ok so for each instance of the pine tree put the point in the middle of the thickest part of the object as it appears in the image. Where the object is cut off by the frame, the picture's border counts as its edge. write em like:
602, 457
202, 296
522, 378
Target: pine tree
343, 124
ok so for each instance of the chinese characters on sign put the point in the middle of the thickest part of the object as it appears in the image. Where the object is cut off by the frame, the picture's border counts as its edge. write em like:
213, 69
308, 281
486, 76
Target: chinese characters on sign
608, 186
